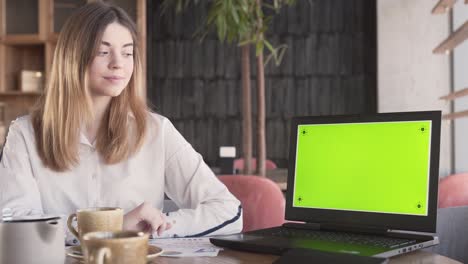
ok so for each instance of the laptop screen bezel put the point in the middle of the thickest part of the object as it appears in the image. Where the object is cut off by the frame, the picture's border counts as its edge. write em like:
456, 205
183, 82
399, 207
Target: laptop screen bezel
369, 219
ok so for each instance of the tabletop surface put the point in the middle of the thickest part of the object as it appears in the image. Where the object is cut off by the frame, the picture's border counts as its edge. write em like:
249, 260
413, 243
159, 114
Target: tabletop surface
237, 257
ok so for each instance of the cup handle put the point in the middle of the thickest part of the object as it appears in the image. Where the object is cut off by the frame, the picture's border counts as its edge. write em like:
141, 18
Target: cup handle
70, 226
99, 255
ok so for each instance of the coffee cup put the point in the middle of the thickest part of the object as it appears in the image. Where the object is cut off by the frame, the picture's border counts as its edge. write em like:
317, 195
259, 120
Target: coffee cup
120, 247
96, 219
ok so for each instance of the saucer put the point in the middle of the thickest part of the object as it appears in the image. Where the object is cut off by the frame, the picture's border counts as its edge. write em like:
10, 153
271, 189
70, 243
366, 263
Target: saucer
75, 252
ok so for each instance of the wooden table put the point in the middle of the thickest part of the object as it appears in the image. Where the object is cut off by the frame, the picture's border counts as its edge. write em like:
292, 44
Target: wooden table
238, 257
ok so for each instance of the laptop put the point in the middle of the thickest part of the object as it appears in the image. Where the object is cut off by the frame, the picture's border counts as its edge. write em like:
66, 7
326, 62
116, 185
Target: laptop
361, 184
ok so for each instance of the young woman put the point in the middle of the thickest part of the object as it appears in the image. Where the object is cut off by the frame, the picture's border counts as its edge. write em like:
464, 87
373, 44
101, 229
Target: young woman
92, 142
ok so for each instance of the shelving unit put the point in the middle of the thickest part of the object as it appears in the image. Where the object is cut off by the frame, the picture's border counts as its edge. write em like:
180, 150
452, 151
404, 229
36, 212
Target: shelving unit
457, 94
453, 96
455, 115
455, 38
443, 6
28, 36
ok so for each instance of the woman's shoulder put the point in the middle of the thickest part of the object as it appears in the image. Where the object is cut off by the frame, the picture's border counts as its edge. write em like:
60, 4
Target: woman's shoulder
163, 130
22, 125
20, 130
155, 117
160, 126
158, 121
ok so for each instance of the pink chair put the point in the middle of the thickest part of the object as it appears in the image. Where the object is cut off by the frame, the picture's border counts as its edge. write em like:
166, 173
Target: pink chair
239, 164
262, 201
453, 190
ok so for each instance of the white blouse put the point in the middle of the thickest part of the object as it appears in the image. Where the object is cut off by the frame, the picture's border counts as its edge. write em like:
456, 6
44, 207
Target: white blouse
166, 163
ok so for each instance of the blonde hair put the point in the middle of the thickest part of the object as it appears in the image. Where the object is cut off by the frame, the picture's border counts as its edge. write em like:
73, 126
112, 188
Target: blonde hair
66, 105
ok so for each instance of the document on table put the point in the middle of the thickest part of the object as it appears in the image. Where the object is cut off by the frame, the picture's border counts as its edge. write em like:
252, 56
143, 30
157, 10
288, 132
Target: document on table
186, 247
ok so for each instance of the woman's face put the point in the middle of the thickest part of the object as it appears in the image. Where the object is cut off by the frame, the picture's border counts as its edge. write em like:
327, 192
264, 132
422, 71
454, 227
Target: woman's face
112, 67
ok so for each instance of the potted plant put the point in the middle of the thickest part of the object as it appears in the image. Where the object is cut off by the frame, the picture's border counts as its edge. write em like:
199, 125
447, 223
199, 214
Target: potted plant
245, 22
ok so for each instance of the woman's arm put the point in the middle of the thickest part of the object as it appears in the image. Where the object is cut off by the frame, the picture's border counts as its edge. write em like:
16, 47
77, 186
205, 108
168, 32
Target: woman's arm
18, 188
207, 207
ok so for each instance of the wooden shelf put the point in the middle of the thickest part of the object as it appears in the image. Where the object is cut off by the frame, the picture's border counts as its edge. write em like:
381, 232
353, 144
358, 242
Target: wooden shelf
453, 40
455, 115
443, 6
53, 37
31, 39
32, 48
19, 93
457, 94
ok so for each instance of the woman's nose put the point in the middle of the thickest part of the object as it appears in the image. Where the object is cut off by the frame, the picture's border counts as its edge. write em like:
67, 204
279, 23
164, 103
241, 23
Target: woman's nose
116, 62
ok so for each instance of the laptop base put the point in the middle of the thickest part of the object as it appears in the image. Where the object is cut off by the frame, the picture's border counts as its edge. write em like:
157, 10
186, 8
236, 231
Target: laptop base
277, 241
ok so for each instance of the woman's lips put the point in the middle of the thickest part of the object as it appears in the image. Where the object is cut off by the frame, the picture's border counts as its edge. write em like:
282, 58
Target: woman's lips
113, 79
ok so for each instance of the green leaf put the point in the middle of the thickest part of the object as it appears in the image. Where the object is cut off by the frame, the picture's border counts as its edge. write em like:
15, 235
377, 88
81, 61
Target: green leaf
237, 20
245, 42
269, 46
221, 28
282, 50
269, 6
211, 16
235, 16
245, 5
179, 6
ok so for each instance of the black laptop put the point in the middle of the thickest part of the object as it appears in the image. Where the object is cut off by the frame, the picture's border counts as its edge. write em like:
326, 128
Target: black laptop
363, 184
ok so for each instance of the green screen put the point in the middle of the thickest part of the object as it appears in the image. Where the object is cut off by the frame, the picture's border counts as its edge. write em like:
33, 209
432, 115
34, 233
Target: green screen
373, 167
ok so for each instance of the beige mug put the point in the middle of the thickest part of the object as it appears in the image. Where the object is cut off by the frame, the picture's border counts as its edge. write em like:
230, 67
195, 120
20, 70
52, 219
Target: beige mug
119, 247
96, 219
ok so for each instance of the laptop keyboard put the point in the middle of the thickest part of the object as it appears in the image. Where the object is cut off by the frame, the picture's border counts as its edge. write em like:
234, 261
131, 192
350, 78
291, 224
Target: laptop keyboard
339, 237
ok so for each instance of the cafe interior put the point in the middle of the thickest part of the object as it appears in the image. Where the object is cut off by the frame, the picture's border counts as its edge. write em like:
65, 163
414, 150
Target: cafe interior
235, 95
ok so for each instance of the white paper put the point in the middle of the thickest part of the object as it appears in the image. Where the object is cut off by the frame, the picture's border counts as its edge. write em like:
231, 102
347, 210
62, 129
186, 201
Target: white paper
186, 247
227, 152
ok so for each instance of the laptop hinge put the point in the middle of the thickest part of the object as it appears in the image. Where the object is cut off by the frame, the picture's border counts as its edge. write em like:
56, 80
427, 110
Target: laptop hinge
337, 227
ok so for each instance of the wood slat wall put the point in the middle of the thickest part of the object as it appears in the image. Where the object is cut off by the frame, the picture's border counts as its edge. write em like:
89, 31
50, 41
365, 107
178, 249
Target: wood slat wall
329, 68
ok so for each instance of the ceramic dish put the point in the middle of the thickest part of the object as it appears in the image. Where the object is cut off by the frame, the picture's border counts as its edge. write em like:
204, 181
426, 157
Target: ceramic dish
75, 252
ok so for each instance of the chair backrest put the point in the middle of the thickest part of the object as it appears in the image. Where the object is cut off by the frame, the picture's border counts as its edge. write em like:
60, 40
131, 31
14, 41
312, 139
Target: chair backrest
262, 201
239, 164
451, 230
453, 190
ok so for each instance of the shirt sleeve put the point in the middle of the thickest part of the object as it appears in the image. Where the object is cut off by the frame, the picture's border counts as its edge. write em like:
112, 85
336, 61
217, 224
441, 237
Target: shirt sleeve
207, 207
18, 188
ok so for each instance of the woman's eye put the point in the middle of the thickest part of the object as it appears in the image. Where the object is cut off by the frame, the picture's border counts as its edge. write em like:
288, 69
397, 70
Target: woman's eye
128, 54
102, 53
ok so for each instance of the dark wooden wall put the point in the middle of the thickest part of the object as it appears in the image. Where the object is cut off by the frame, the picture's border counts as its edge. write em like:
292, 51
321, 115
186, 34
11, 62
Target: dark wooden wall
329, 68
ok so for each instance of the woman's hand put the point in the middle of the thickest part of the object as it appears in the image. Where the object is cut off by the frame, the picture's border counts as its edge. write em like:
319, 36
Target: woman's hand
146, 218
